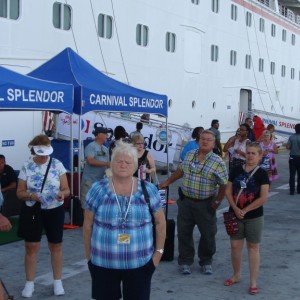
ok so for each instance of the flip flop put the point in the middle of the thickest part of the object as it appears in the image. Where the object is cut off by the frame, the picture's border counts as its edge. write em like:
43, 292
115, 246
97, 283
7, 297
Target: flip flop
229, 282
253, 290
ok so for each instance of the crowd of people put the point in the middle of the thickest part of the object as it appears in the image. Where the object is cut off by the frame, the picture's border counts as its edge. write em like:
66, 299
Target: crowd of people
123, 232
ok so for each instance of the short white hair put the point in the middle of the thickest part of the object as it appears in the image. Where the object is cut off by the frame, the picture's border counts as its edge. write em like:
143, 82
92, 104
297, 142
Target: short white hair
125, 149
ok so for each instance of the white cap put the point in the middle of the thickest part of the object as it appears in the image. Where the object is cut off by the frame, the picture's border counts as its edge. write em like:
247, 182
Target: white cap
43, 150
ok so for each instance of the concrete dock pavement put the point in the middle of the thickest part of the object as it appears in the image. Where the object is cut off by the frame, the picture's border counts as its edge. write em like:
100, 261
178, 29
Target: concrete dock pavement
279, 272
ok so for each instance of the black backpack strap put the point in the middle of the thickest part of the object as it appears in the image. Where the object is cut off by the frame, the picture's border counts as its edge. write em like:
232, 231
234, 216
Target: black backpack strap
147, 199
46, 174
146, 195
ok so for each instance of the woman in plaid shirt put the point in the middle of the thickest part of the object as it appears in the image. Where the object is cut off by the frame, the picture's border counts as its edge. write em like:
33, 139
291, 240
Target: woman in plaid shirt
118, 233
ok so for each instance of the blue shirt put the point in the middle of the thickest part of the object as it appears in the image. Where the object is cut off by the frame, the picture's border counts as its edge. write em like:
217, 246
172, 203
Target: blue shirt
191, 145
108, 225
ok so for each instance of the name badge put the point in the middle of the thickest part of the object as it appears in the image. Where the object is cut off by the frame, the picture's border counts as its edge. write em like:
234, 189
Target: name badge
124, 238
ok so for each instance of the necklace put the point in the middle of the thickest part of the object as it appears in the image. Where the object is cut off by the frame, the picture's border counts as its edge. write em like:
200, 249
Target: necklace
119, 206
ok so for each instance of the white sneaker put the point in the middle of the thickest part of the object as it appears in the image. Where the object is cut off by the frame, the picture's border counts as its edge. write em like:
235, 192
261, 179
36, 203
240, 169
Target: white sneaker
28, 289
185, 270
58, 288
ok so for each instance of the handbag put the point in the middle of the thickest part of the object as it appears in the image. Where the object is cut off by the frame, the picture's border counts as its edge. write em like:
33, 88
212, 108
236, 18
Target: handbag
30, 217
230, 219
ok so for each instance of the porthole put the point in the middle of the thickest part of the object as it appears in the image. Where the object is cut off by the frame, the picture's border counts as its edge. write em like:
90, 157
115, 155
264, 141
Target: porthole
193, 104
214, 105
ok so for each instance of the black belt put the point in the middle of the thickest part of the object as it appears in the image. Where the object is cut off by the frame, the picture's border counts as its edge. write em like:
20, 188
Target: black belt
198, 200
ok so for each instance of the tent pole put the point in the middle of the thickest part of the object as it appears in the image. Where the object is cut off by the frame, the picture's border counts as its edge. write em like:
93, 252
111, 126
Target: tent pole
71, 171
167, 147
79, 157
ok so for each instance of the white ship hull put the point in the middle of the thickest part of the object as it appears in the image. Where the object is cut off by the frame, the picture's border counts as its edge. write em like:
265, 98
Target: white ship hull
199, 88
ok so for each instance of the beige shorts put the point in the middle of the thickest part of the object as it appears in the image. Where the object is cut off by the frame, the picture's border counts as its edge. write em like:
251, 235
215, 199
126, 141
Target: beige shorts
250, 229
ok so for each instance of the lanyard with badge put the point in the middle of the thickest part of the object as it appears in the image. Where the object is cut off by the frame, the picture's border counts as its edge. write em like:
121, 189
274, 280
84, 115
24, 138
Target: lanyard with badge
123, 238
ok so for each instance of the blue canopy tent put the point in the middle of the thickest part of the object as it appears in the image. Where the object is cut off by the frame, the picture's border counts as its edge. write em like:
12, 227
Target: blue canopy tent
21, 92
94, 91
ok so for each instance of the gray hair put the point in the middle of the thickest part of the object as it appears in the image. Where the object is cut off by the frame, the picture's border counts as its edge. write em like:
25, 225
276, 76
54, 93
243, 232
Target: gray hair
125, 149
137, 137
208, 132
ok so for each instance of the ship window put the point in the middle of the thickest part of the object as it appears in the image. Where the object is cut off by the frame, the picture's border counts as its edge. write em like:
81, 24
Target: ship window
284, 35
261, 25
10, 9
248, 61
273, 30
248, 19
215, 6
293, 39
170, 102
292, 73
283, 68
232, 58
61, 16
214, 105
272, 67
170, 42
196, 2
214, 53
233, 12
142, 35
193, 104
261, 65
105, 26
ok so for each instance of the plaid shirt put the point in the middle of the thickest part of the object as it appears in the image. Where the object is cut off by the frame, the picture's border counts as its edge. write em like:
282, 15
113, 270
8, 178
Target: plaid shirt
201, 179
108, 224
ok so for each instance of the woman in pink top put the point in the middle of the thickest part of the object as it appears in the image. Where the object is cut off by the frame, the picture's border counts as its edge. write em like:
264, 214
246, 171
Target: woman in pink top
269, 150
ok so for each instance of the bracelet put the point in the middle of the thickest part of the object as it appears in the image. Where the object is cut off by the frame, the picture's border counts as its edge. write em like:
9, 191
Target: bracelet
161, 251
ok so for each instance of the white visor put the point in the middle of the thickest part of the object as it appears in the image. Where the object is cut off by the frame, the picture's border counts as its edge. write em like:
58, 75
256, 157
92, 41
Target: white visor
43, 150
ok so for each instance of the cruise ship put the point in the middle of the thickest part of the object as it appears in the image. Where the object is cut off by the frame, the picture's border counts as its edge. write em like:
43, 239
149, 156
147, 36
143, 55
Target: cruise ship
214, 59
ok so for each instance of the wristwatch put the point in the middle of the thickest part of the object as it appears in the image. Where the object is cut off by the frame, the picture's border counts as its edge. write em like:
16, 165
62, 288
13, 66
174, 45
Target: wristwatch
161, 251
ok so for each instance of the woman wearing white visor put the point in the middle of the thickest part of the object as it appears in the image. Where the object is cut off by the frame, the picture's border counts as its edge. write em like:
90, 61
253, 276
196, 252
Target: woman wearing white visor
42, 187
